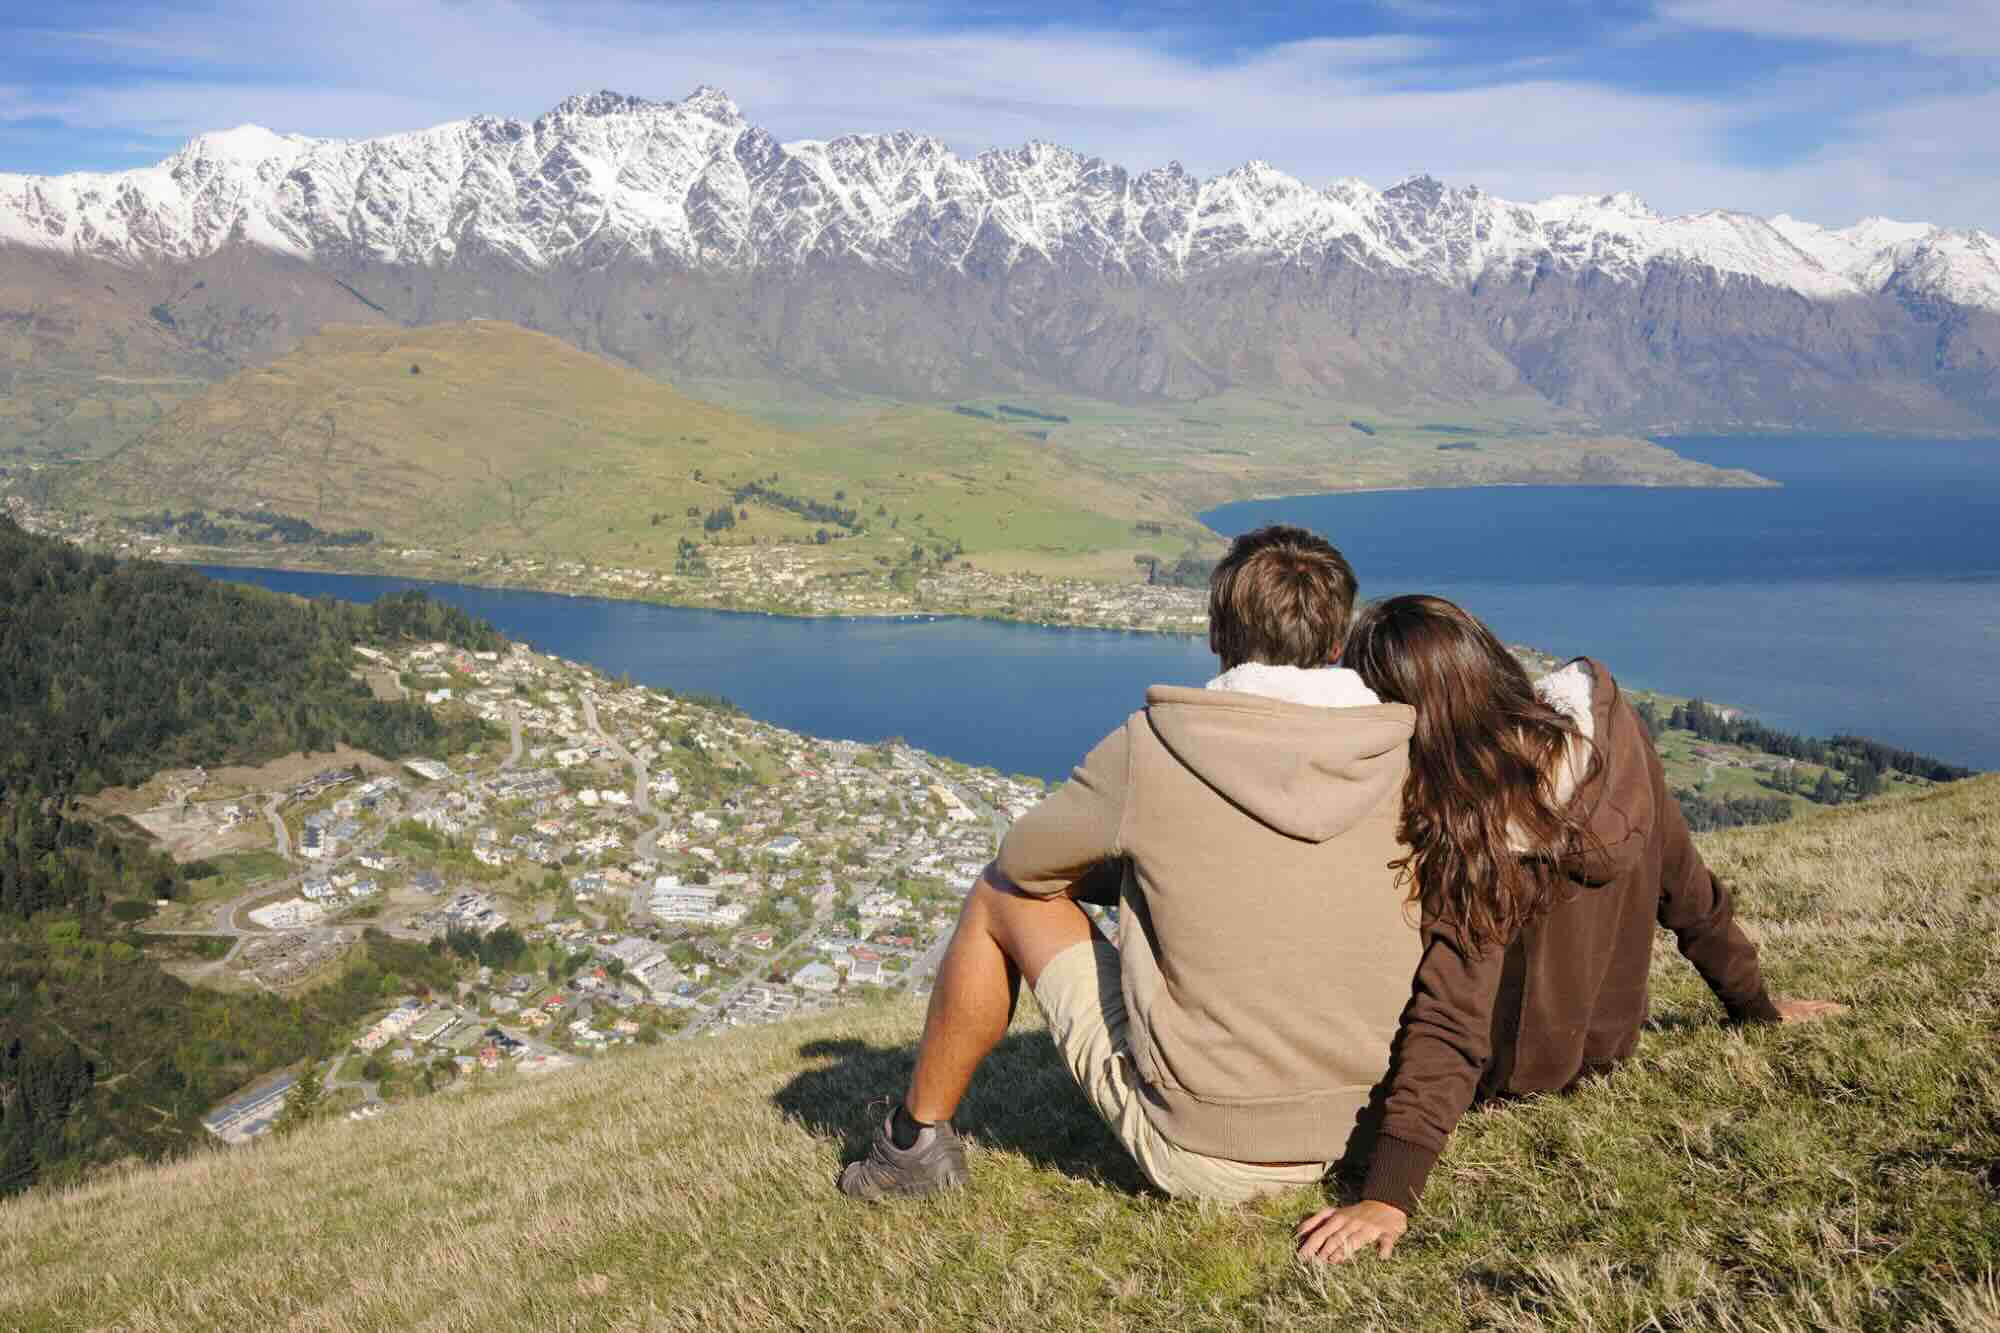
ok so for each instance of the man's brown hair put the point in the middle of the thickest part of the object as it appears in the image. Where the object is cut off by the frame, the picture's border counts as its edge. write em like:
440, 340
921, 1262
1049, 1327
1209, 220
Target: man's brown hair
1282, 596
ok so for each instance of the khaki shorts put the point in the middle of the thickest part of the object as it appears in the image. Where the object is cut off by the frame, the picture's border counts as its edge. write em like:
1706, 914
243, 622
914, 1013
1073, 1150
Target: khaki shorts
1082, 998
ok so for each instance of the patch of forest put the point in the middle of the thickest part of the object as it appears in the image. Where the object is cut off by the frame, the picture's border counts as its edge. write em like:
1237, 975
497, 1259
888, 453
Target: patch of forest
1852, 755
109, 672
231, 527
815, 511
104, 1056
1031, 414
1861, 765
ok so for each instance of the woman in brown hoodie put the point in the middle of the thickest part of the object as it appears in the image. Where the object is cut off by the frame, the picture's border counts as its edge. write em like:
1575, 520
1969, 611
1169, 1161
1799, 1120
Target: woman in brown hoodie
1543, 849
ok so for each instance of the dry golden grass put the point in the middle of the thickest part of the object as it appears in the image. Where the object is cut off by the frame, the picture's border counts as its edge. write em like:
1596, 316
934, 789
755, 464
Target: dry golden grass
508, 441
1785, 1180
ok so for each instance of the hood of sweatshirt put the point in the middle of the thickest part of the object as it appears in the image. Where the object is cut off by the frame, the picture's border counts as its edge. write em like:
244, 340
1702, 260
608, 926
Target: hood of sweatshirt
1616, 798
1307, 752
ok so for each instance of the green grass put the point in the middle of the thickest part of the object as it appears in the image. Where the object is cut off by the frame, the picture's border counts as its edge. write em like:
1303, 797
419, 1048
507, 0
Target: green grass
507, 443
510, 442
1785, 1180
1241, 443
240, 870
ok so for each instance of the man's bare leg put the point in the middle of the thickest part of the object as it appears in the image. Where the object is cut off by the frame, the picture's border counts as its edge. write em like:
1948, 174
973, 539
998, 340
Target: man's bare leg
1003, 936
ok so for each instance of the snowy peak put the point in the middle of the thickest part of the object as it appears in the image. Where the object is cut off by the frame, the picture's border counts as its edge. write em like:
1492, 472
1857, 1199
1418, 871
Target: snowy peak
1914, 259
602, 103
606, 178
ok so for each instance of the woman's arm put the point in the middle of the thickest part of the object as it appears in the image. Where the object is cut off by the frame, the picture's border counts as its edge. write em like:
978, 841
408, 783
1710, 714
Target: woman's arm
1441, 1051
1697, 908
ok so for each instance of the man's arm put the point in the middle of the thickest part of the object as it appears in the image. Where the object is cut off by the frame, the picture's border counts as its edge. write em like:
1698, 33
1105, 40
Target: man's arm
1075, 830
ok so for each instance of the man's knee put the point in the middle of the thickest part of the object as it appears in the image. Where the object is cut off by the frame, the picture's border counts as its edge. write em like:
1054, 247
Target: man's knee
1029, 930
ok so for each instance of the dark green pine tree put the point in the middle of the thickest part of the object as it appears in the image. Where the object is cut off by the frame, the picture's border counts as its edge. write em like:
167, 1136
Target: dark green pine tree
303, 1104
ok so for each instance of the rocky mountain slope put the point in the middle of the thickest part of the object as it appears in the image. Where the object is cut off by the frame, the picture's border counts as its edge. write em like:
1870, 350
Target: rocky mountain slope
683, 239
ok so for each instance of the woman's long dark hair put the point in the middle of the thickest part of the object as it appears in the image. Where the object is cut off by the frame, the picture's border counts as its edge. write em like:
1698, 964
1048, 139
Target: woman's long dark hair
1480, 814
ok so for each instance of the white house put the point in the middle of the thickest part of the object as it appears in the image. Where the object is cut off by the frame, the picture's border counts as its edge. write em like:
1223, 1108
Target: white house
817, 977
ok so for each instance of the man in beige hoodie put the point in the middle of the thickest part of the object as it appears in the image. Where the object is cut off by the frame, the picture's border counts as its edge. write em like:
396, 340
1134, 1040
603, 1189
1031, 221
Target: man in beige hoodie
1232, 1038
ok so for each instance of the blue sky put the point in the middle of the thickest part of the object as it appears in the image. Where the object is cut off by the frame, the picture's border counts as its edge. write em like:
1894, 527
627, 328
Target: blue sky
1828, 109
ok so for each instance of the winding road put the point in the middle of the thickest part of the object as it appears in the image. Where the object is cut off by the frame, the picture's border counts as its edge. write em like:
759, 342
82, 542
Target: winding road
281, 840
648, 845
514, 738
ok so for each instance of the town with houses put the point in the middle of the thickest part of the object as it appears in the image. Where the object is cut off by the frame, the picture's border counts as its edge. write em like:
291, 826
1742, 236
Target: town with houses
617, 868
781, 578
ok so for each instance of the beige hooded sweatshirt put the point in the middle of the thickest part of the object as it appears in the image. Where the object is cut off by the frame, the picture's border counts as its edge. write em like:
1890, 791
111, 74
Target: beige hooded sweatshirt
1266, 951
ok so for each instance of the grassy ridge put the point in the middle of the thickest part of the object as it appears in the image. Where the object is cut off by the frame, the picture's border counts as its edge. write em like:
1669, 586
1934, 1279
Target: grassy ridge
486, 437
1792, 1179
483, 437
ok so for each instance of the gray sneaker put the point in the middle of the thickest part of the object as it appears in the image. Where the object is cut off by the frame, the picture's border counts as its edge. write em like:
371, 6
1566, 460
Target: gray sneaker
935, 1162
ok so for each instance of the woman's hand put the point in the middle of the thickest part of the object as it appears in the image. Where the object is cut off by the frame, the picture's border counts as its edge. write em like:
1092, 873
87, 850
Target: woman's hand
1807, 1011
1333, 1235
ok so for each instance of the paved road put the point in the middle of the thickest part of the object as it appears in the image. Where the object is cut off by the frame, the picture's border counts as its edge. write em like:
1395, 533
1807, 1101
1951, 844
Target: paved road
226, 923
648, 846
514, 741
281, 839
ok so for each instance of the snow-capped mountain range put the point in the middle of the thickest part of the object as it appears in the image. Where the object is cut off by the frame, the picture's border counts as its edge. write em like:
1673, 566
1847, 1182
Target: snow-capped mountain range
691, 185
682, 240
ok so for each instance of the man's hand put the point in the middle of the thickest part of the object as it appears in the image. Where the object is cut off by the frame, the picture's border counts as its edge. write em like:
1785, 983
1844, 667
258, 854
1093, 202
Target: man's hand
1333, 1235
1806, 1011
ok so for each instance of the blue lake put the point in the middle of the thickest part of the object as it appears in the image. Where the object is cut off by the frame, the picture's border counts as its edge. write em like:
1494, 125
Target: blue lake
1862, 596
1020, 698
1859, 597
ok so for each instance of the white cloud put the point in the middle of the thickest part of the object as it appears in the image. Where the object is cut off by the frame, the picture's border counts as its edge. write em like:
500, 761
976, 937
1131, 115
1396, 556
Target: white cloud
1934, 27
1321, 108
126, 41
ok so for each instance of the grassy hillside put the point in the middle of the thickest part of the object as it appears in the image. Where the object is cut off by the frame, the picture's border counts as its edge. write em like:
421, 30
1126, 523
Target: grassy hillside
1242, 443
485, 437
81, 366
1839, 1177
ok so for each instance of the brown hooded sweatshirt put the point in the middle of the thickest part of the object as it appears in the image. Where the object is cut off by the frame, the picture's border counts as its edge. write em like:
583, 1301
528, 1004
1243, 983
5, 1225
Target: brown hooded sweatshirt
1567, 996
1265, 952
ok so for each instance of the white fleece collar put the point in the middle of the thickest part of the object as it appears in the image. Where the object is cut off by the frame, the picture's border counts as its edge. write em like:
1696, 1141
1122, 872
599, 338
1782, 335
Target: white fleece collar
1316, 687
1569, 691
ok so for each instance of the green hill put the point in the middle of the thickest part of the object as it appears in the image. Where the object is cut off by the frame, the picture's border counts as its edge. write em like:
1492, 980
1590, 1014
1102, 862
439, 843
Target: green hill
1835, 1177
484, 437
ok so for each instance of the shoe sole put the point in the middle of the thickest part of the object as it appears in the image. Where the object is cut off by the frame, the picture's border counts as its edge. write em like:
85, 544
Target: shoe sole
913, 1190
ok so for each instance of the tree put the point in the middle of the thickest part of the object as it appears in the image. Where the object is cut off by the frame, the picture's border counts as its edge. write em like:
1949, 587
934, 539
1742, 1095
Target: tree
304, 1103
1826, 791
1866, 779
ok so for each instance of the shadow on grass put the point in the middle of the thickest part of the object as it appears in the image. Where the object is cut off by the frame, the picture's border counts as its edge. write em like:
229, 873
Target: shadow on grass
1022, 1101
